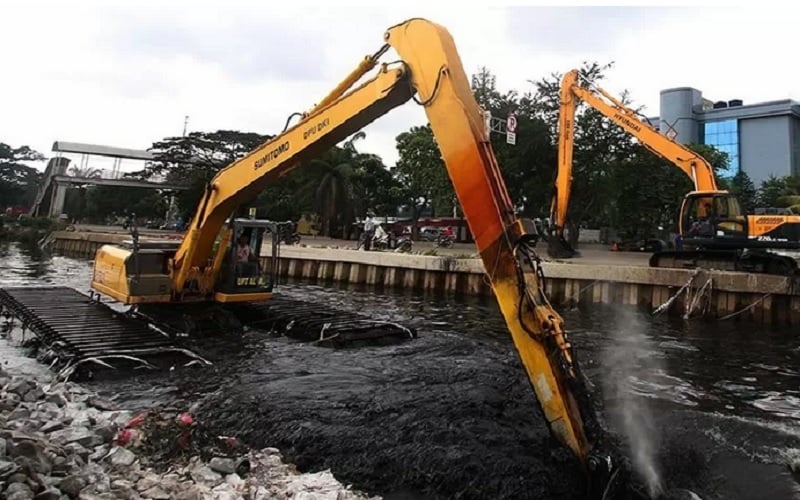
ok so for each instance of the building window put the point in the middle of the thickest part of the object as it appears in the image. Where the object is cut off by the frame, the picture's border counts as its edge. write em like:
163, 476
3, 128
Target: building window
724, 135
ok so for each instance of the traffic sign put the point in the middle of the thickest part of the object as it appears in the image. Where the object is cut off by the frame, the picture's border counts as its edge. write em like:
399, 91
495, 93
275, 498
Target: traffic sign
511, 138
511, 124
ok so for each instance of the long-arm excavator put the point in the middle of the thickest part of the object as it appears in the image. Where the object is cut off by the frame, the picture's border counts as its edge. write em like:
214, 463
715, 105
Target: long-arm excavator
430, 72
714, 231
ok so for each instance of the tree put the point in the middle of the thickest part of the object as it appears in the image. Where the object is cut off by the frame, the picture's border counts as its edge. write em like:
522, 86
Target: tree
75, 202
599, 145
18, 182
745, 191
85, 172
780, 192
771, 190
528, 166
718, 159
333, 190
649, 194
342, 184
102, 201
484, 89
420, 172
196, 158
374, 186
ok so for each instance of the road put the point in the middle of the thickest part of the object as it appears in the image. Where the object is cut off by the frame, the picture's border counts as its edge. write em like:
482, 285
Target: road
595, 254
589, 253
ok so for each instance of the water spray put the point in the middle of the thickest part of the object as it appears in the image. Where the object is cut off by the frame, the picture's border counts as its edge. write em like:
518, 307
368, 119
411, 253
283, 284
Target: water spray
627, 359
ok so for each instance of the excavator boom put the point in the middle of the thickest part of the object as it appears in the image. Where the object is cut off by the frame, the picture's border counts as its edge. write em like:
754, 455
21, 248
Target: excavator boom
693, 165
706, 203
430, 72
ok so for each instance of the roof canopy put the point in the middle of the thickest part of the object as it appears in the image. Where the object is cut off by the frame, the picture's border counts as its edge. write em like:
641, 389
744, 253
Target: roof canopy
94, 149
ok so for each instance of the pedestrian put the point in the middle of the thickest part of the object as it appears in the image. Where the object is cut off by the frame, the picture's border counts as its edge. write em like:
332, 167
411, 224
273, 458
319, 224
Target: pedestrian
369, 231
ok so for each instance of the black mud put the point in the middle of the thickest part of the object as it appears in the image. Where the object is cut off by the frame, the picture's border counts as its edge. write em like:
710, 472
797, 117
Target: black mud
443, 416
446, 418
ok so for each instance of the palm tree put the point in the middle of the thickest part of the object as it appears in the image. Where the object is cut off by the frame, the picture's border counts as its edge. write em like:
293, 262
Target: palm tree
332, 185
350, 147
85, 172
333, 193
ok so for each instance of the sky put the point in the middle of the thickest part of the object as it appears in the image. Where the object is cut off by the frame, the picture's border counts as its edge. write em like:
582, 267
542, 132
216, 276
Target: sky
127, 73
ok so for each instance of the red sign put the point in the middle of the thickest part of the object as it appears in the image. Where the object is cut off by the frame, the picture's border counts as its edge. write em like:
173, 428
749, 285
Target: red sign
511, 123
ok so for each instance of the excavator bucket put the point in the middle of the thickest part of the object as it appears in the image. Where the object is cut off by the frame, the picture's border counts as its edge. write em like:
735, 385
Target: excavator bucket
561, 244
559, 248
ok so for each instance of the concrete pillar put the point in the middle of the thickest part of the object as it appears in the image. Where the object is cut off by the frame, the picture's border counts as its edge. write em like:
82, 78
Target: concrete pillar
59, 197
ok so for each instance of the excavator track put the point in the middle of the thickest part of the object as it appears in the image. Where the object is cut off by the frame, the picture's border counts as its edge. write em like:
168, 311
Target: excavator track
74, 328
761, 262
297, 319
326, 326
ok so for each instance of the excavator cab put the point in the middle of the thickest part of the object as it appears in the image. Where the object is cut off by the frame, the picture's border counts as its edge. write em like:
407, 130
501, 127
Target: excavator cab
243, 276
712, 219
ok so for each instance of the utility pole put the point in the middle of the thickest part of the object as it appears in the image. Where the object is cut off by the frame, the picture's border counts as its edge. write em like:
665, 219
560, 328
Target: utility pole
185, 123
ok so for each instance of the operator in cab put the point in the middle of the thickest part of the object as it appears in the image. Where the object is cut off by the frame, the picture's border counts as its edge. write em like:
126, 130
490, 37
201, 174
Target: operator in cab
245, 260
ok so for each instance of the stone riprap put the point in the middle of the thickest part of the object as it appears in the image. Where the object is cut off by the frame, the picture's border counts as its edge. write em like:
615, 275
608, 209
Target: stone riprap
59, 441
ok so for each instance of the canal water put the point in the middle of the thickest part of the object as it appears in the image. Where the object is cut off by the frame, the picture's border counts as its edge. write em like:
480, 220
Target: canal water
711, 407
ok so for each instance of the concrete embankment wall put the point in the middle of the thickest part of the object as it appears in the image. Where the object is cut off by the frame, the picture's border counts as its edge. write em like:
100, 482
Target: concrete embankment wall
763, 299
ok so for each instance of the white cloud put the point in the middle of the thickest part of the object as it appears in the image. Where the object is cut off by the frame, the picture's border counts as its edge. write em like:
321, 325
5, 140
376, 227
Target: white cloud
125, 73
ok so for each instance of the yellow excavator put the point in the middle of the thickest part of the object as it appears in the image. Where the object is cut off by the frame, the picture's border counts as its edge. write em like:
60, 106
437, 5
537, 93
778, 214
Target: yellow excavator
205, 268
713, 230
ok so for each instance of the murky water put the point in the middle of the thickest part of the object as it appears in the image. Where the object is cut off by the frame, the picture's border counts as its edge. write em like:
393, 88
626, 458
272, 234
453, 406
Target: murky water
714, 407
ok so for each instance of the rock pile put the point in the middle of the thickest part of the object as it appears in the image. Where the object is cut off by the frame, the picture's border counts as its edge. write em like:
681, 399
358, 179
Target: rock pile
58, 441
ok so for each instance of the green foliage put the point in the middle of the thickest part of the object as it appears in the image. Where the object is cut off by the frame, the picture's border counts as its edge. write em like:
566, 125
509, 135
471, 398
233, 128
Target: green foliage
18, 182
339, 184
648, 195
718, 159
422, 179
742, 186
196, 158
771, 191
102, 201
790, 200
530, 164
599, 146
617, 182
374, 187
41, 223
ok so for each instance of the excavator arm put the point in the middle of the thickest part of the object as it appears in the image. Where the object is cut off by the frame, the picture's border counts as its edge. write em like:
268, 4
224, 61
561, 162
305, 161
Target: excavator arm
693, 165
430, 72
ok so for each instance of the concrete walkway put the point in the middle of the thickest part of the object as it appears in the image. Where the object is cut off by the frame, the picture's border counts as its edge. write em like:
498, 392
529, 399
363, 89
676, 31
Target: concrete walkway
591, 254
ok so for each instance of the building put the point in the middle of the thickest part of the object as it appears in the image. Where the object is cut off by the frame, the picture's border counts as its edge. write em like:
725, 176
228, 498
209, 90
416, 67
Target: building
762, 139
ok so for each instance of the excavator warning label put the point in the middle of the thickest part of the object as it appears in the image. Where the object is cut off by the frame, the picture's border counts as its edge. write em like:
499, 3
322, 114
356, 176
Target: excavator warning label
272, 154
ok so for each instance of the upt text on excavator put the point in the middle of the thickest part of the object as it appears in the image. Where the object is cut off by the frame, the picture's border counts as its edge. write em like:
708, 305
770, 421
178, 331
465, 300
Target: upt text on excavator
429, 71
714, 231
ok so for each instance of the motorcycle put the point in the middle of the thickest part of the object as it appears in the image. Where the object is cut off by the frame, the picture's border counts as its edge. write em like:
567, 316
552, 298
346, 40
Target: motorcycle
380, 241
289, 237
403, 245
445, 241
383, 241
